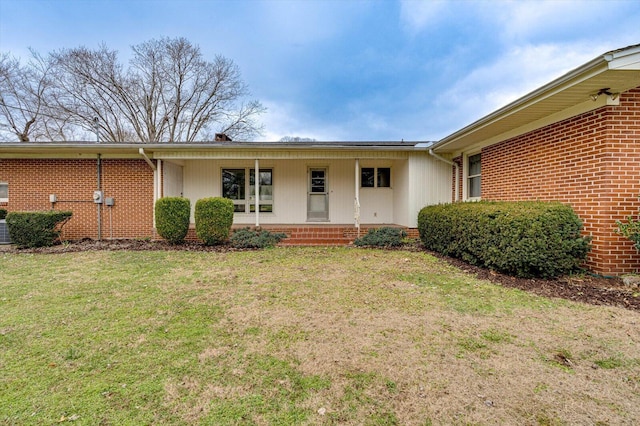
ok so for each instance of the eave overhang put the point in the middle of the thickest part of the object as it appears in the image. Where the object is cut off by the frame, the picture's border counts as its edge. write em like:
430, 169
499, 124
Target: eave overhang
212, 150
569, 95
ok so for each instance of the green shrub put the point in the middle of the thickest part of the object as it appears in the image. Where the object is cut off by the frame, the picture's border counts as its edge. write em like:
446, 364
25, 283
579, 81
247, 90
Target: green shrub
382, 237
631, 230
172, 218
36, 229
525, 239
3, 213
247, 238
214, 217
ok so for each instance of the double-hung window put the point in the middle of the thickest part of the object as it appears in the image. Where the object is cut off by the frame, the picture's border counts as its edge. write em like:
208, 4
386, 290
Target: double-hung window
375, 177
239, 185
474, 176
4, 192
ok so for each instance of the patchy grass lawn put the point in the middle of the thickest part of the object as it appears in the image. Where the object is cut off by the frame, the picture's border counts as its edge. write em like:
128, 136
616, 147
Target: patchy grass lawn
300, 336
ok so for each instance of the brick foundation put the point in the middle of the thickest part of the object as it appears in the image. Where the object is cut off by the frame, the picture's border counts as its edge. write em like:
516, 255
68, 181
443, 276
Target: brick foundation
318, 235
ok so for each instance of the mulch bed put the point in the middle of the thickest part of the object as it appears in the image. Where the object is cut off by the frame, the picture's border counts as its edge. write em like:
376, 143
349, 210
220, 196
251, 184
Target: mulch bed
586, 288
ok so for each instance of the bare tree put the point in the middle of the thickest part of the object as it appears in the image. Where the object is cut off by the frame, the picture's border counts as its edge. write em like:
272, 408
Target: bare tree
168, 93
24, 93
296, 139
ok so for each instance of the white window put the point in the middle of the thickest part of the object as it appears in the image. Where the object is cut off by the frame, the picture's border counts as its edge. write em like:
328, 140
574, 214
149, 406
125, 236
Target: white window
242, 191
4, 192
375, 177
474, 164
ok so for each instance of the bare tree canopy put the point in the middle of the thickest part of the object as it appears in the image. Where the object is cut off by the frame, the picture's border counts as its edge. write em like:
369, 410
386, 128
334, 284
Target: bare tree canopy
296, 139
168, 93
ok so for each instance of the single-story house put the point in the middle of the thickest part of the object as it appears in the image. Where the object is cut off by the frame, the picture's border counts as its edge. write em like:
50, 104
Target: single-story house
317, 193
574, 140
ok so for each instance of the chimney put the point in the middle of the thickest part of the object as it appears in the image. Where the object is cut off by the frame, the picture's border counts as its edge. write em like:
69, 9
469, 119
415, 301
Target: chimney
222, 137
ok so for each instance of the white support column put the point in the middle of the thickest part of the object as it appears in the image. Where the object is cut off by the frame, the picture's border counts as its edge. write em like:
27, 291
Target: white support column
357, 199
257, 188
160, 179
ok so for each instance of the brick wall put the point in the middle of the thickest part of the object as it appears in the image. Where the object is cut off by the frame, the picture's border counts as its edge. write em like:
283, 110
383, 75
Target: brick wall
591, 161
129, 182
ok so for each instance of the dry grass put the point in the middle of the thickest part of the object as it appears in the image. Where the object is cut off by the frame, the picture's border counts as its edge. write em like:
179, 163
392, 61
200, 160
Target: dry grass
301, 336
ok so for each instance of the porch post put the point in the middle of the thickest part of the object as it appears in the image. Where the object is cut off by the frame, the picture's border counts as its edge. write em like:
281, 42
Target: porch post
357, 200
256, 178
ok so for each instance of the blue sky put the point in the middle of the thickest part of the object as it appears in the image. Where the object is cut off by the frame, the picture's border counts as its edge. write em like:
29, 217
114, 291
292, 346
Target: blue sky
350, 69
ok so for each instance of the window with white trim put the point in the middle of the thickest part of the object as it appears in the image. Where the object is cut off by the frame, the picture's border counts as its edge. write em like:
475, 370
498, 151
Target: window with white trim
375, 177
4, 192
474, 164
242, 191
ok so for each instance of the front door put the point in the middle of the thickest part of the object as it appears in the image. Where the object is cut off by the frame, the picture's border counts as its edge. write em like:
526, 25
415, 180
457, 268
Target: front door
318, 195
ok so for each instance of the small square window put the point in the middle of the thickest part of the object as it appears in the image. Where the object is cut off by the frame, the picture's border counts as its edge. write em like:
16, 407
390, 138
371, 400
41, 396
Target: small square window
4, 192
384, 177
367, 177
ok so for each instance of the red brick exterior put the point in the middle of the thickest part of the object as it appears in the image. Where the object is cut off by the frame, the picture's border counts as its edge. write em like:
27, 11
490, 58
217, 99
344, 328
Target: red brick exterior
129, 182
591, 161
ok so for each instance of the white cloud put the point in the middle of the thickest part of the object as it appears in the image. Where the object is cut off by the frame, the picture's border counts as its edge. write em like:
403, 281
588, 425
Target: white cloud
509, 77
417, 16
288, 119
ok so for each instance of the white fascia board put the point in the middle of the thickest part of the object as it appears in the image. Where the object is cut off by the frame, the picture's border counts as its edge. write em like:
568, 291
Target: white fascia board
627, 59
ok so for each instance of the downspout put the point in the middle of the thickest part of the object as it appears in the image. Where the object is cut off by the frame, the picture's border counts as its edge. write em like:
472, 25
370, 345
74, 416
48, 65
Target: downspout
99, 205
149, 162
457, 172
156, 181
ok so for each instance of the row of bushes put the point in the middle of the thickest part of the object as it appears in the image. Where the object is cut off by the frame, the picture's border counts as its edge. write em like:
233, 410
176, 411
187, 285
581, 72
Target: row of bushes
36, 229
213, 217
525, 239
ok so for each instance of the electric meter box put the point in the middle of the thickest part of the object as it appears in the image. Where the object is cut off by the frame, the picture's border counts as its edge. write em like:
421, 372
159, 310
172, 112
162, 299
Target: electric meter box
97, 197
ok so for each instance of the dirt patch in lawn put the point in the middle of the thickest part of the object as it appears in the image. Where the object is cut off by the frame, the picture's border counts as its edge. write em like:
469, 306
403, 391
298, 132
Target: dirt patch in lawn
586, 288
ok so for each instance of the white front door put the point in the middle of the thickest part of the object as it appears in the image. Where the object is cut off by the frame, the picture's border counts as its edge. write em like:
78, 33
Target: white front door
318, 195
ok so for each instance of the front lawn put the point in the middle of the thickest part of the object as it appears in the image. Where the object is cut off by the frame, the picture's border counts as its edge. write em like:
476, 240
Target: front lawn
300, 336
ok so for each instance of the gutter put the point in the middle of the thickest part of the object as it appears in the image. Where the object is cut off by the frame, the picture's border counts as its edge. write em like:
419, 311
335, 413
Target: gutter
457, 172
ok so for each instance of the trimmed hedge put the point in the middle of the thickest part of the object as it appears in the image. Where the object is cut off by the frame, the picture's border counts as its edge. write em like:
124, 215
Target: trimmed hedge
382, 237
36, 229
214, 217
172, 218
247, 238
3, 213
524, 239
